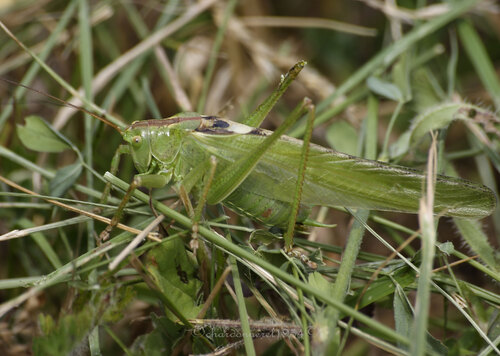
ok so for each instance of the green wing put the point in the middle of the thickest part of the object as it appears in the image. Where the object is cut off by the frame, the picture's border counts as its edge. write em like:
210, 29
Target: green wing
337, 179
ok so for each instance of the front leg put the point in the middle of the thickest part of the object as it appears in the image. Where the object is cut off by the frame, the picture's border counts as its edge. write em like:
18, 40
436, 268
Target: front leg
152, 180
140, 180
115, 162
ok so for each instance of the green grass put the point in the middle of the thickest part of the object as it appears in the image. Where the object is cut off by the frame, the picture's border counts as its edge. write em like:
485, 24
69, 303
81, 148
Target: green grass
129, 62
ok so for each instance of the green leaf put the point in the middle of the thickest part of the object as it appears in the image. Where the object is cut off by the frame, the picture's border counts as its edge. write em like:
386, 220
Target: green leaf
401, 146
39, 136
342, 137
384, 286
65, 178
161, 340
64, 337
174, 273
403, 317
401, 75
473, 234
403, 314
474, 302
494, 325
316, 280
263, 237
446, 247
425, 93
42, 243
71, 330
385, 89
468, 343
436, 118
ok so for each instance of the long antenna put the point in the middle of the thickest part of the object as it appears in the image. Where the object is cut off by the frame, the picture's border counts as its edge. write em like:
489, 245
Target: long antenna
64, 102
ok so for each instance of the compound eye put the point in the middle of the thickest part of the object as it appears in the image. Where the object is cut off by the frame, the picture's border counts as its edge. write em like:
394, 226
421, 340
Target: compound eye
136, 141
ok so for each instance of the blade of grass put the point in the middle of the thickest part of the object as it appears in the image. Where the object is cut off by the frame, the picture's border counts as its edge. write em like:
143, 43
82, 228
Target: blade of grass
451, 68
70, 208
107, 73
308, 22
35, 67
386, 57
163, 65
42, 243
63, 273
426, 220
214, 54
149, 98
86, 71
480, 60
60, 80
242, 310
30, 166
245, 255
303, 315
353, 245
473, 323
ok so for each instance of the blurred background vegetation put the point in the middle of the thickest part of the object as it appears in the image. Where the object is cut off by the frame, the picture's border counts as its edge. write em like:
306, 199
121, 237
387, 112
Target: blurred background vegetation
373, 68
